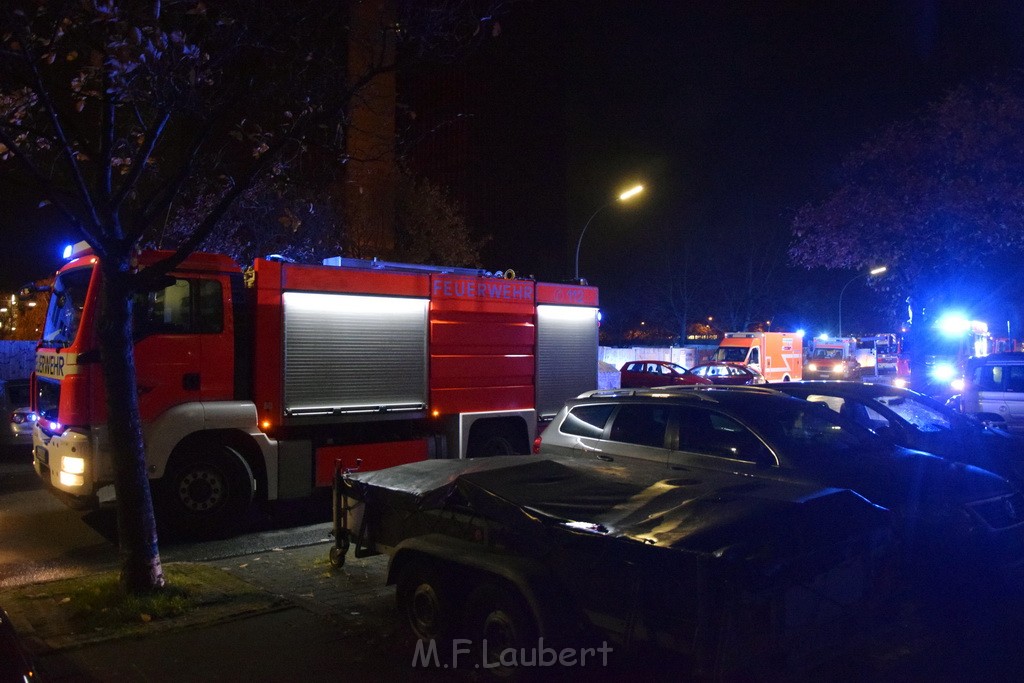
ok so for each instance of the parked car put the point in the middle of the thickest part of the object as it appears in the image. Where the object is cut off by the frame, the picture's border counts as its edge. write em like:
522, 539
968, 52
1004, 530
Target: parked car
656, 373
994, 390
15, 662
14, 401
720, 372
957, 521
913, 420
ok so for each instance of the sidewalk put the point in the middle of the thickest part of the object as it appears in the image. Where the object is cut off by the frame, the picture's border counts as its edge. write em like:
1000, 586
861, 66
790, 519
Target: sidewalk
307, 621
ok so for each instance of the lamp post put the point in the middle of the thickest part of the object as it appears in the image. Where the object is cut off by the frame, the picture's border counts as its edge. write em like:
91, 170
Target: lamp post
631, 192
874, 271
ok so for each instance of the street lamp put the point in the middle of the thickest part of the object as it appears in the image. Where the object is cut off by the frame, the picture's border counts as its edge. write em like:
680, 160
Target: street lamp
874, 271
628, 194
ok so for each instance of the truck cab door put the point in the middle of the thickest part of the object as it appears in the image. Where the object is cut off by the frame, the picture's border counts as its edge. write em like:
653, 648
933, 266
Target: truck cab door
754, 360
167, 350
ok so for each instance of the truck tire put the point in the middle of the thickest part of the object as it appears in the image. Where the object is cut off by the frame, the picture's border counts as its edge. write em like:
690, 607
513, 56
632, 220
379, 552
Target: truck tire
206, 492
424, 602
490, 440
498, 619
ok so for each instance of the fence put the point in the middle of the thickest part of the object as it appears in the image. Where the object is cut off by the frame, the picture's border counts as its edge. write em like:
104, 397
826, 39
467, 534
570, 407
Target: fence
17, 358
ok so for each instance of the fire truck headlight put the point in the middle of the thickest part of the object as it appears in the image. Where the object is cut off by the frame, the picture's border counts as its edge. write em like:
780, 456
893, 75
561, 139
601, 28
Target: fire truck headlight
67, 479
812, 367
72, 465
957, 384
899, 383
840, 369
944, 372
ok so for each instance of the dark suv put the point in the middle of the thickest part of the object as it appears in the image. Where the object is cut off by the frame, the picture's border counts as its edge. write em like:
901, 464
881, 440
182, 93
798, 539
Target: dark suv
952, 516
913, 420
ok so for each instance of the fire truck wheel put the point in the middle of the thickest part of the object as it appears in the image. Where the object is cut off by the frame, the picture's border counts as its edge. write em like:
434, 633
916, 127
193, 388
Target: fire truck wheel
207, 491
498, 619
491, 442
423, 600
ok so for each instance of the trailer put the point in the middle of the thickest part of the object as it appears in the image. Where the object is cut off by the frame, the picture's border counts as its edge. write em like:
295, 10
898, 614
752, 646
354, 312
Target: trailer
253, 383
722, 573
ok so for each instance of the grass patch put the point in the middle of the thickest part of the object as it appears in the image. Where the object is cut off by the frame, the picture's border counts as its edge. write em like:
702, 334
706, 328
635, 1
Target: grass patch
101, 604
94, 605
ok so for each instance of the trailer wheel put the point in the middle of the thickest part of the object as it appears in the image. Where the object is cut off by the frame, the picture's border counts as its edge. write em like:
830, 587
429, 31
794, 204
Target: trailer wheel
337, 555
499, 620
423, 600
206, 492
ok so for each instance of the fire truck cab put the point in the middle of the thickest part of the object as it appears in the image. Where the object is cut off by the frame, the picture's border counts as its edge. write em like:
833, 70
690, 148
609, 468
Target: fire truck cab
252, 386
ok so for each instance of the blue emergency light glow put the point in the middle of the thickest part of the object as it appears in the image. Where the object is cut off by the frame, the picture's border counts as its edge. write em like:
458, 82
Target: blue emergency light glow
800, 333
823, 336
953, 324
68, 250
944, 372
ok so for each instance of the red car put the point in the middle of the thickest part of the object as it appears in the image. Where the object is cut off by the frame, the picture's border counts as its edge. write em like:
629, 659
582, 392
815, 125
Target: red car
728, 373
656, 373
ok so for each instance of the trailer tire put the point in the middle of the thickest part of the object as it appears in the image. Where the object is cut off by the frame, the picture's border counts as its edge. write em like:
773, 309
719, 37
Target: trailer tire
500, 617
423, 601
206, 491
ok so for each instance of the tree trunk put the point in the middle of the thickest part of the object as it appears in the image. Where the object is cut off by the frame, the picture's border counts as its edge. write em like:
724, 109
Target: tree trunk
141, 571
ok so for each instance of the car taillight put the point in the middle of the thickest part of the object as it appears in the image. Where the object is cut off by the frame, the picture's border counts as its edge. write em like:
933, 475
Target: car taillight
536, 445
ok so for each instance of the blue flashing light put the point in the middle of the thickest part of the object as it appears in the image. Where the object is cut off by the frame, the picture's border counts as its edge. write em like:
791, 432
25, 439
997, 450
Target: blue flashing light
823, 336
953, 324
801, 333
68, 250
944, 372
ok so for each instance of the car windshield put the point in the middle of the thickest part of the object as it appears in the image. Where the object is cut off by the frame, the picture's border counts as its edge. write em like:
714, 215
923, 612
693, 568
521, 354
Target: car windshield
920, 414
66, 303
828, 354
805, 430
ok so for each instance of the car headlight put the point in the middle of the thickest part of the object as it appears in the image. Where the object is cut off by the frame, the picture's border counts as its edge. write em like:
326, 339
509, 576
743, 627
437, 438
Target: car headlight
812, 367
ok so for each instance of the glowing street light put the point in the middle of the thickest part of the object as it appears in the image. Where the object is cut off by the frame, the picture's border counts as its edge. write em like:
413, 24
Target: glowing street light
625, 196
871, 273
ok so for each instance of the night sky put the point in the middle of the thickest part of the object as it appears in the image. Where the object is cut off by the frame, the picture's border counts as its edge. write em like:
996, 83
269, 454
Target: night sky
733, 114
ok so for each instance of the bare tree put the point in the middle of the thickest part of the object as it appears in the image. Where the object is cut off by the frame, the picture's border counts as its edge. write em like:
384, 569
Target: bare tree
121, 110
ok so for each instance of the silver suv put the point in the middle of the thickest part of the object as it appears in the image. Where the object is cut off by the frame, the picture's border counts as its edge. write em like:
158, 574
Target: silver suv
957, 516
994, 390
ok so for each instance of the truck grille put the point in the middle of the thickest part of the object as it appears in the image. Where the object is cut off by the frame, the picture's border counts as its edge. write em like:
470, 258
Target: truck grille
48, 399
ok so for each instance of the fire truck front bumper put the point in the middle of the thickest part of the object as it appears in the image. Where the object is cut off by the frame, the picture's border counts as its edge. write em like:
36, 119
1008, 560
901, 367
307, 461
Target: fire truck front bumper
66, 462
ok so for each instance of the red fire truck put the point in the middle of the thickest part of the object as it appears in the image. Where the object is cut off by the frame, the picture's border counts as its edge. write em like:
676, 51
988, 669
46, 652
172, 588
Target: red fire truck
253, 384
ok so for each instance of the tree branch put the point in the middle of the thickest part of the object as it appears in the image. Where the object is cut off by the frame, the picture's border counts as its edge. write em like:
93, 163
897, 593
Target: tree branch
67, 150
141, 158
48, 190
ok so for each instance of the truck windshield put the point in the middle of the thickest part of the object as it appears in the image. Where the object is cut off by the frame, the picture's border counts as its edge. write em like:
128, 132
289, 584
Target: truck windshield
731, 354
66, 303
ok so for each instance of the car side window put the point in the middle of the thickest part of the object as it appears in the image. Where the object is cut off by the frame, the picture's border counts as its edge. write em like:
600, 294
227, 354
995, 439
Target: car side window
711, 433
640, 424
1015, 378
587, 421
988, 378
